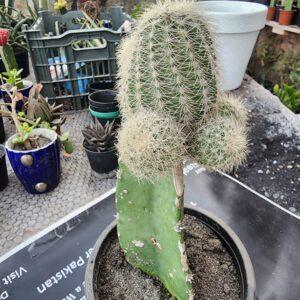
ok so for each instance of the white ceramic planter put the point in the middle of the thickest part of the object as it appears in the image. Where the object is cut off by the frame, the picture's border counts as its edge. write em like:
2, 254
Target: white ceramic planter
237, 25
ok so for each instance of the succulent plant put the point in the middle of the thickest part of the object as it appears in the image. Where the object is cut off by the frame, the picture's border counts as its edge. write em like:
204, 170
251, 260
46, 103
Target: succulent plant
38, 107
98, 138
23, 126
172, 108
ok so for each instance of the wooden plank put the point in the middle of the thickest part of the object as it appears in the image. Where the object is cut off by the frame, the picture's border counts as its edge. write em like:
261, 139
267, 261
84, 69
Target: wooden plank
283, 29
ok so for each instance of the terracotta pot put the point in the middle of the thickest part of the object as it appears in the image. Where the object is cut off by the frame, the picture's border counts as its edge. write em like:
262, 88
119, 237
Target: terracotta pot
285, 17
271, 13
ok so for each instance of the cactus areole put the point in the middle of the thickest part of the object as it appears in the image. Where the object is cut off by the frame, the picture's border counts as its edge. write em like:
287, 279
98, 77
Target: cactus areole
172, 108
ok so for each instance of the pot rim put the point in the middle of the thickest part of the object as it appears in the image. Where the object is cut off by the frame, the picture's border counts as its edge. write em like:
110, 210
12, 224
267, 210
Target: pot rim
240, 248
45, 132
283, 10
231, 17
101, 92
251, 8
28, 85
105, 115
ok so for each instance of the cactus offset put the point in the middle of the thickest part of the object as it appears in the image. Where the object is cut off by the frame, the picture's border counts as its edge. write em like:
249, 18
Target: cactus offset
172, 107
147, 140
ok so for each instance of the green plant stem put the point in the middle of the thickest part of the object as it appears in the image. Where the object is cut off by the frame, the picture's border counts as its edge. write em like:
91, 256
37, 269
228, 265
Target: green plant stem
149, 228
8, 58
288, 4
7, 114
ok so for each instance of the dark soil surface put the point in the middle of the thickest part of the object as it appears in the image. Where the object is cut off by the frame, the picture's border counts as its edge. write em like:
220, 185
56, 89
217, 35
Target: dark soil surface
215, 276
273, 165
36, 142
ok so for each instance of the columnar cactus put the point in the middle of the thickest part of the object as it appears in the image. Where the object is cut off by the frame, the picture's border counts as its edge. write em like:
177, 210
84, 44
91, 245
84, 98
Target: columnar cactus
172, 108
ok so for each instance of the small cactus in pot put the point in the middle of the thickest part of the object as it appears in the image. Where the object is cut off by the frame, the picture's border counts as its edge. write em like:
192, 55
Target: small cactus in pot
172, 108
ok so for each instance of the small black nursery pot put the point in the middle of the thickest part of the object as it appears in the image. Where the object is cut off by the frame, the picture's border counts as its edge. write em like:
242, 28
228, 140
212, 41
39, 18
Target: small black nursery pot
3, 169
104, 101
99, 144
102, 162
104, 106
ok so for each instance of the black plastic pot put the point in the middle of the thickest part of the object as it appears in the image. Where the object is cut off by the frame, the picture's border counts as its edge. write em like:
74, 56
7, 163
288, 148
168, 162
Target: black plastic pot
223, 231
277, 11
3, 169
102, 162
104, 106
296, 19
2, 131
101, 85
103, 101
22, 59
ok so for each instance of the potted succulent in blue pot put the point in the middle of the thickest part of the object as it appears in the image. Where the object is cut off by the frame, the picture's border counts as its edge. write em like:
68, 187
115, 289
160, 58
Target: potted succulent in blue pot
34, 153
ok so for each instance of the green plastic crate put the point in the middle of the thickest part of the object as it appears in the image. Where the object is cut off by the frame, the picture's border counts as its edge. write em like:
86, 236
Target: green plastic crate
64, 70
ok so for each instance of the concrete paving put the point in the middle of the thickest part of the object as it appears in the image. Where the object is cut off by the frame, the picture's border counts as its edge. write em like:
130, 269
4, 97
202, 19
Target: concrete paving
22, 214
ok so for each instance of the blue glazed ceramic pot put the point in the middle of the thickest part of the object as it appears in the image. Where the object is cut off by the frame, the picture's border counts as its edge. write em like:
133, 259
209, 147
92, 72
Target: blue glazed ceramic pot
39, 169
24, 91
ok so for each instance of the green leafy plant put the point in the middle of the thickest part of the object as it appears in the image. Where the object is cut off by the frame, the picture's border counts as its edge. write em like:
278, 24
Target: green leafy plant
25, 129
12, 20
37, 113
136, 11
33, 10
273, 3
23, 126
172, 108
13, 78
298, 3
295, 79
289, 96
50, 116
12, 74
288, 4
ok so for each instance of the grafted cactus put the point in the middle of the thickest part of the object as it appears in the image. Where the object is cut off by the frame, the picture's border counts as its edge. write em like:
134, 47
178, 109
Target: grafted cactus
172, 108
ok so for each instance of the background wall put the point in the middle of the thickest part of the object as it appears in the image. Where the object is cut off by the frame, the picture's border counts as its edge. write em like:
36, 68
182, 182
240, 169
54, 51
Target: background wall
276, 59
